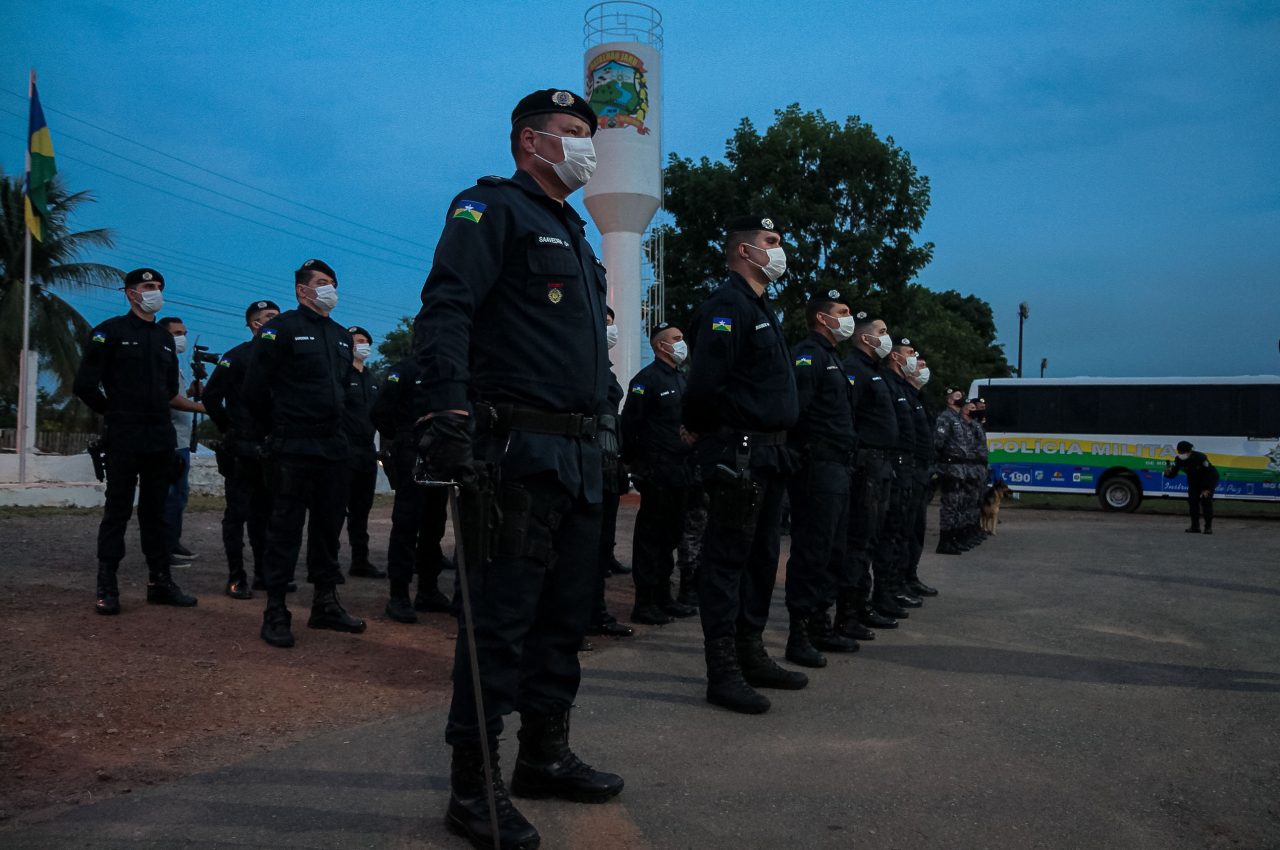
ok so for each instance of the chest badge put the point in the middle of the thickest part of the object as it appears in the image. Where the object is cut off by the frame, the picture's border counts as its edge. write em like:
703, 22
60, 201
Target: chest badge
555, 292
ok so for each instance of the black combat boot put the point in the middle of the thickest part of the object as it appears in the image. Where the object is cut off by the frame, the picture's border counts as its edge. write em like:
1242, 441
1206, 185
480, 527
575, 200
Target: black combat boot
162, 590
905, 599
468, 813
761, 671
826, 637
1208, 526
429, 598
276, 621
647, 611
237, 580
725, 685
671, 606
327, 613
871, 618
884, 605
688, 593
919, 588
361, 568
1194, 529
108, 590
947, 544
546, 767
399, 608
799, 649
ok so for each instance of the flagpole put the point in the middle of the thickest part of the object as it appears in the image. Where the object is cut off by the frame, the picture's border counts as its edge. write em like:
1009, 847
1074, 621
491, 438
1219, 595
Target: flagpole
24, 397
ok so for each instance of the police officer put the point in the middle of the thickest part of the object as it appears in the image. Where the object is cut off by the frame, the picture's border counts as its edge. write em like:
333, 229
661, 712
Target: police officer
418, 513
296, 390
740, 401
689, 552
659, 452
922, 468
129, 376
362, 468
873, 471
183, 419
515, 370
240, 457
975, 473
823, 441
953, 446
615, 483
893, 546
1202, 480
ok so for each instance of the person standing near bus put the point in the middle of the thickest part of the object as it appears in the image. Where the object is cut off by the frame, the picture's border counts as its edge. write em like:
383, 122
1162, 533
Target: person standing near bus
952, 445
1202, 480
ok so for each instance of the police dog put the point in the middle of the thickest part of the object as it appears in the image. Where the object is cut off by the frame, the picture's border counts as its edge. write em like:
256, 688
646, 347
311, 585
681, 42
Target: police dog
991, 506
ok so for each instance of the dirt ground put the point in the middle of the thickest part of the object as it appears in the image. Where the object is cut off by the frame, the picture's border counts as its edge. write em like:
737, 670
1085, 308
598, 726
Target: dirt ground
95, 706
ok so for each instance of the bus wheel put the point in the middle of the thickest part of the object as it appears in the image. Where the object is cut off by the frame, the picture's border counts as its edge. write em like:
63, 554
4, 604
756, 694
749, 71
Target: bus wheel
1120, 493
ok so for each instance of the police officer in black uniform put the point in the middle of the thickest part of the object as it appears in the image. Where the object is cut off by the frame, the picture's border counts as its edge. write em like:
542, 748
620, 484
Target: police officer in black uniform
740, 401
129, 376
873, 471
823, 442
922, 469
296, 390
418, 513
659, 453
893, 547
240, 457
1202, 481
362, 468
515, 370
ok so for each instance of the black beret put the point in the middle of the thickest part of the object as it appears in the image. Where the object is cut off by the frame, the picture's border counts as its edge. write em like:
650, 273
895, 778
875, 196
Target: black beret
356, 329
749, 222
903, 341
260, 305
609, 311
547, 101
659, 328
1184, 446
138, 276
319, 266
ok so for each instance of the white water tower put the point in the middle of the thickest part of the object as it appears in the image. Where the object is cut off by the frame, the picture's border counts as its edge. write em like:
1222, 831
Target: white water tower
623, 65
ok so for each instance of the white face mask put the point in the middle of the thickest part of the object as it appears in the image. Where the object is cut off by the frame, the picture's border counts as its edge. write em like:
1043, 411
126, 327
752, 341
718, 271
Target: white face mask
844, 330
611, 335
150, 302
923, 377
579, 161
777, 265
326, 297
909, 365
180, 343
679, 351
362, 350
1184, 456
884, 345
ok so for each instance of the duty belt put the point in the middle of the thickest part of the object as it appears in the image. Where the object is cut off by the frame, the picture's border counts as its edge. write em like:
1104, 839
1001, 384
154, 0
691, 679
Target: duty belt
757, 438
509, 417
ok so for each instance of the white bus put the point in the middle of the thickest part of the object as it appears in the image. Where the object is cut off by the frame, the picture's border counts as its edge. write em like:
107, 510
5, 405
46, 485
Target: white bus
1112, 436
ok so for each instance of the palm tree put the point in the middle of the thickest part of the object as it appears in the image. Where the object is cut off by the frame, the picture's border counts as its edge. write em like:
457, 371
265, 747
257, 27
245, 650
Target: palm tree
57, 329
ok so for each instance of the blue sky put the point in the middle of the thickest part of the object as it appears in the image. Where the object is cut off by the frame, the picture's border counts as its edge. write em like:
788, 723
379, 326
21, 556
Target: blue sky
1112, 164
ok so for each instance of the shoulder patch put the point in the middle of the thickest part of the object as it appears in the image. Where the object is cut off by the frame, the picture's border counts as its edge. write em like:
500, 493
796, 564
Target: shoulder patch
393, 378
724, 325
471, 211
637, 389
225, 361
269, 334
804, 360
853, 379
99, 337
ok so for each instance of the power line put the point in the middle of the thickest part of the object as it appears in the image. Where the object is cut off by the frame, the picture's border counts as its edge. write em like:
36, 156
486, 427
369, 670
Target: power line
213, 173
225, 212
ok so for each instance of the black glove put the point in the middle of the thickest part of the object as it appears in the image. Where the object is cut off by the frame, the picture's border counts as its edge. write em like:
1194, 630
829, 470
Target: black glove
444, 449
607, 440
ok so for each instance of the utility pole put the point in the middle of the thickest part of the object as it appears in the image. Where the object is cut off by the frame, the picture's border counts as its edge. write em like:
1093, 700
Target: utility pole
1022, 317
1044, 364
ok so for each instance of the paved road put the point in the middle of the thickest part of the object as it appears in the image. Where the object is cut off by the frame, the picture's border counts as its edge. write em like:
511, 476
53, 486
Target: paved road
1084, 681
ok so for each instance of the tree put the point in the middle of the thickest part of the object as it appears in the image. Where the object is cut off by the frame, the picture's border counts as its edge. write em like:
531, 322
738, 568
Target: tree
849, 205
395, 346
57, 329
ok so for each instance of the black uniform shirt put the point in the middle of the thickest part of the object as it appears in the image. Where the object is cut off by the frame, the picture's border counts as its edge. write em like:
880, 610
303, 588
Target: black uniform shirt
1201, 473
903, 408
923, 428
296, 384
873, 412
513, 311
741, 375
651, 417
357, 422
129, 374
826, 414
393, 412
223, 398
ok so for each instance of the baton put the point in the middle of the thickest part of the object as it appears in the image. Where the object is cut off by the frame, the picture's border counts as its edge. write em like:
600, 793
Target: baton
469, 629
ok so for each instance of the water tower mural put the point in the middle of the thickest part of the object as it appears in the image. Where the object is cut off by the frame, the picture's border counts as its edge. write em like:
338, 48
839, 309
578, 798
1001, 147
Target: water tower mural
623, 70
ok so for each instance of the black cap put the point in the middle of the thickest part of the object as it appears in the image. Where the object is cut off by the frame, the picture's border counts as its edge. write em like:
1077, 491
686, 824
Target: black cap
319, 266
356, 329
138, 276
750, 222
547, 101
260, 305
904, 342
1184, 446
659, 328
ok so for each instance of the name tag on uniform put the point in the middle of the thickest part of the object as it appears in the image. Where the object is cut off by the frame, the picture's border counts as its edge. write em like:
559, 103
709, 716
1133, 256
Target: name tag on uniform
877, 378
552, 240
667, 392
762, 326
830, 368
304, 339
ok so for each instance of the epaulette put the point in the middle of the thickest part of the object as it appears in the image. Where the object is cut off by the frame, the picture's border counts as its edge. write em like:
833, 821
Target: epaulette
493, 180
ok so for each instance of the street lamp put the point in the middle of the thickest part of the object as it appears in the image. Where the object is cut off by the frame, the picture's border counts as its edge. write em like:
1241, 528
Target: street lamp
1022, 317
1044, 364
